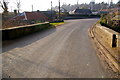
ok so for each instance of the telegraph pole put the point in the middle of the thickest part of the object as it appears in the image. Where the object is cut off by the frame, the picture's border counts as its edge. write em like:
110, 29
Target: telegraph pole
111, 4
59, 10
77, 3
108, 3
32, 8
11, 8
51, 11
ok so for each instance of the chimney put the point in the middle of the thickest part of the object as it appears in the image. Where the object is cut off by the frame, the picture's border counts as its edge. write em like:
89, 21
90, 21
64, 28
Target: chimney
15, 12
38, 10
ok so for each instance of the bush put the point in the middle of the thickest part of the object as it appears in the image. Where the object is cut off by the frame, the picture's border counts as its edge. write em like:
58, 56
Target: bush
57, 21
106, 20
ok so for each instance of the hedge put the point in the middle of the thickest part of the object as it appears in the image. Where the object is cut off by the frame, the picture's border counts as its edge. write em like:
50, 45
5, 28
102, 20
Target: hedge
83, 15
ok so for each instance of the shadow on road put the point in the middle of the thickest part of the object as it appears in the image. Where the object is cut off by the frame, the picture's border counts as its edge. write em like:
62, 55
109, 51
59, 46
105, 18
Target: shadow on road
26, 40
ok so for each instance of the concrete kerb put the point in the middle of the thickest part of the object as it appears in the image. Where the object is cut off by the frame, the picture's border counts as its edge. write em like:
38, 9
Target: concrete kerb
104, 52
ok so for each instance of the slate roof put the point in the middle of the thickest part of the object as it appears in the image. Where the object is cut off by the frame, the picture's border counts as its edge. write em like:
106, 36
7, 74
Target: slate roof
82, 11
118, 2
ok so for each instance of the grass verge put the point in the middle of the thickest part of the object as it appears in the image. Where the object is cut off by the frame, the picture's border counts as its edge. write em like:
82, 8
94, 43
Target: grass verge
57, 24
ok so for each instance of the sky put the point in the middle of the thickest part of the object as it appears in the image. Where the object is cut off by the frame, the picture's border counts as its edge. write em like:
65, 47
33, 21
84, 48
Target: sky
26, 5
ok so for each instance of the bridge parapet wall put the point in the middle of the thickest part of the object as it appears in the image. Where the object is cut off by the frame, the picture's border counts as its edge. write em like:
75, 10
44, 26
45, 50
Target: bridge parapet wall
108, 36
110, 41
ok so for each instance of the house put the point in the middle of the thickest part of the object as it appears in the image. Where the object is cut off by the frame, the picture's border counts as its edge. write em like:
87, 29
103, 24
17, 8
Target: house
81, 11
26, 18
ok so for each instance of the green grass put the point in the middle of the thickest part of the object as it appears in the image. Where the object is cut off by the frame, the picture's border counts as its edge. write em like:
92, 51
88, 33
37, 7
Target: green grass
56, 24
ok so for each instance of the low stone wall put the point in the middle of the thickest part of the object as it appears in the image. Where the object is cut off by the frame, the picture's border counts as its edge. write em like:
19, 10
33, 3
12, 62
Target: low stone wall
109, 45
15, 32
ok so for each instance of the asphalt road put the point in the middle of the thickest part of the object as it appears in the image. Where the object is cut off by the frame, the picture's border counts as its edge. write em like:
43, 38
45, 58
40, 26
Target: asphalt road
63, 52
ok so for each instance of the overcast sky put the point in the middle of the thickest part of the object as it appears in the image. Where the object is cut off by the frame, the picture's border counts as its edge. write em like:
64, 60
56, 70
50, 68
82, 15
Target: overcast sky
26, 5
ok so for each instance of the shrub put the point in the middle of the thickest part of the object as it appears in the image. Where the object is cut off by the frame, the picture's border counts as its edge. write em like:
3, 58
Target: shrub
106, 20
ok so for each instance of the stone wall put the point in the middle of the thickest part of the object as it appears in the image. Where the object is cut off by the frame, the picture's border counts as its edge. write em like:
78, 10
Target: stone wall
19, 31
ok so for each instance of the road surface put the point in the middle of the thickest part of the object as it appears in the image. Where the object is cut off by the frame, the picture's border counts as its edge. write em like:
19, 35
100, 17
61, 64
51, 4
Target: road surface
62, 52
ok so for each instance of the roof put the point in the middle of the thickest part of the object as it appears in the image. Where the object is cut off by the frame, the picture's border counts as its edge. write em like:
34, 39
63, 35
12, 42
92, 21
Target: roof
20, 16
83, 11
35, 16
104, 11
31, 16
118, 2
107, 10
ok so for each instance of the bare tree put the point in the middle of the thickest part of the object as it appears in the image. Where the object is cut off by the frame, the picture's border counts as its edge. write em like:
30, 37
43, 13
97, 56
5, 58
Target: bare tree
18, 4
4, 6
